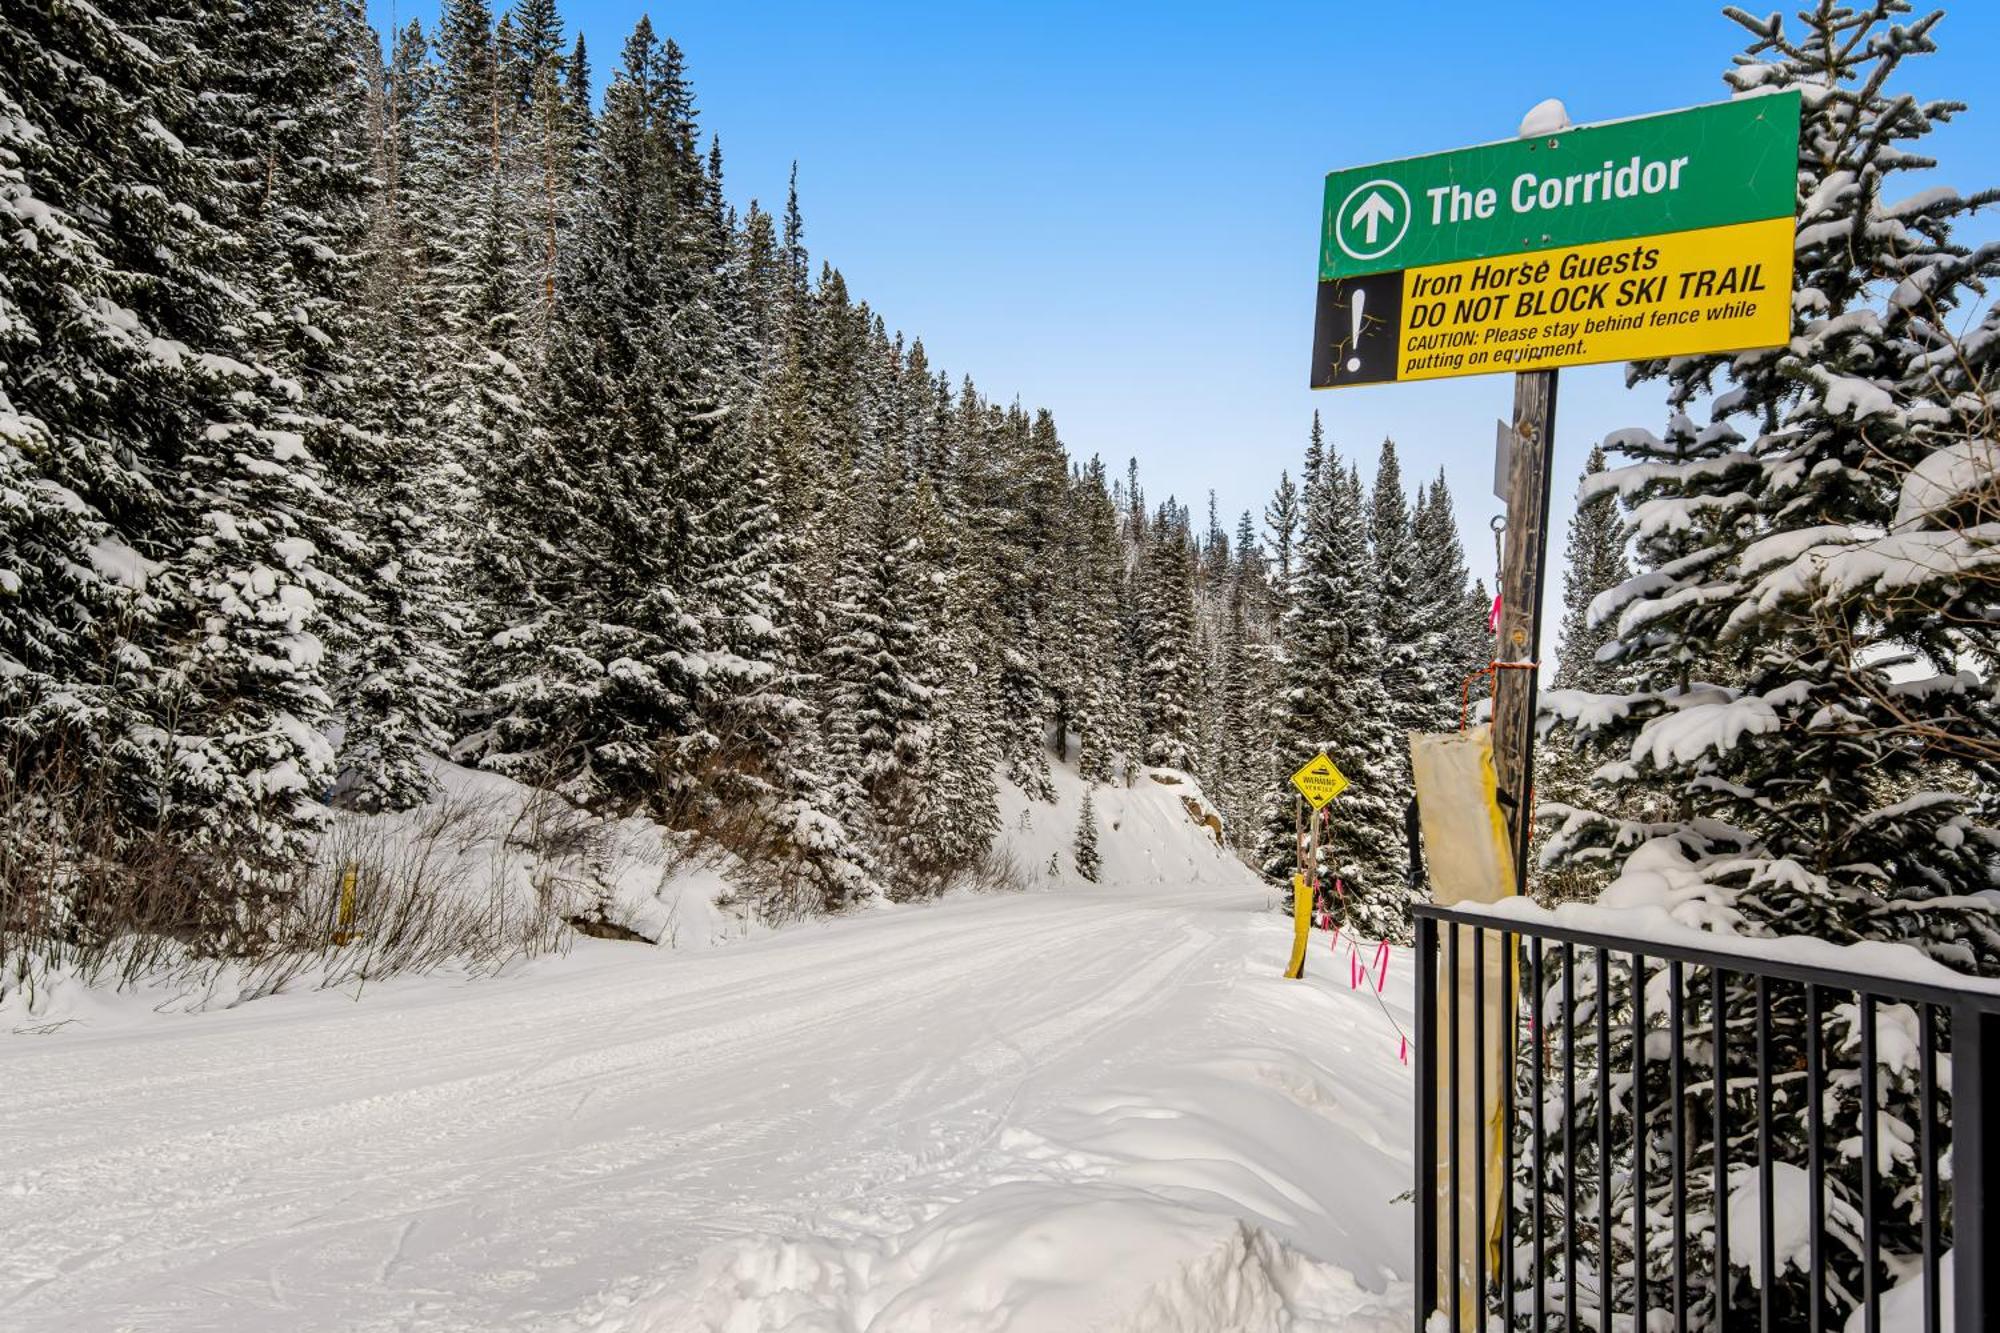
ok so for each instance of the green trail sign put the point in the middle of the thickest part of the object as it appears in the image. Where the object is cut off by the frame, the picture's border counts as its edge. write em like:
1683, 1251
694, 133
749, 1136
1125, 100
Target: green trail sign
1661, 236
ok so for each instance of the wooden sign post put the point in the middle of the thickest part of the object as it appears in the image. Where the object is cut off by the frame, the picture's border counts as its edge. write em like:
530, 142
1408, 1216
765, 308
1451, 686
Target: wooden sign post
1524, 566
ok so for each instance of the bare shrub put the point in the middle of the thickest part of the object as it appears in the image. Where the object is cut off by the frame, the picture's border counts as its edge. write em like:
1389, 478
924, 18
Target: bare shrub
80, 893
440, 885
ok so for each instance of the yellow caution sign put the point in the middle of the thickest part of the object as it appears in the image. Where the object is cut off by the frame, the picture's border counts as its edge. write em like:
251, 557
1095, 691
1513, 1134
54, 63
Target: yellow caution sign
1302, 919
1320, 781
1717, 288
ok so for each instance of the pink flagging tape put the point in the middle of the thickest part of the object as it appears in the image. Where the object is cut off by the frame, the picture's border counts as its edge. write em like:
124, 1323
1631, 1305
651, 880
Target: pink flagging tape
1381, 966
1493, 619
1403, 1053
1336, 943
1358, 972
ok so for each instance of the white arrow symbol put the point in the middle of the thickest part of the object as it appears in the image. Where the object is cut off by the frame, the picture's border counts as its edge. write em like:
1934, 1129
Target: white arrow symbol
1373, 212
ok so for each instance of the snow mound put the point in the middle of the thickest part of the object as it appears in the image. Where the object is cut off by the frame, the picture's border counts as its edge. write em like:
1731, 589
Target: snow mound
488, 834
1025, 1256
1239, 1185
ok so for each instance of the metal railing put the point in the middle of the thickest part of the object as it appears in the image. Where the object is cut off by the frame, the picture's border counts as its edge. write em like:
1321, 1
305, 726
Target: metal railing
1663, 1126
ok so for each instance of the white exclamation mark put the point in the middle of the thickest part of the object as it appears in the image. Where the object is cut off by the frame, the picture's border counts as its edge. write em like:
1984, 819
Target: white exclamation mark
1354, 315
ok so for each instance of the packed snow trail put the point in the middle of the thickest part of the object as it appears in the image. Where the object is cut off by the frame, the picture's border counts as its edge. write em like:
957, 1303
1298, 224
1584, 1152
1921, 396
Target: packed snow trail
1034, 1111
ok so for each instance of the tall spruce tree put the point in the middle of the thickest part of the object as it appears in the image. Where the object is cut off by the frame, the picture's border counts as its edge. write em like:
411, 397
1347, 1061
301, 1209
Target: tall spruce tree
1594, 563
1335, 702
1783, 568
1167, 663
1392, 542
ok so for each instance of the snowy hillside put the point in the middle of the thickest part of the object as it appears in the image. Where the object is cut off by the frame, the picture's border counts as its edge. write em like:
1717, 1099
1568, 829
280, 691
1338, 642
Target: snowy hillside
1079, 1107
1149, 833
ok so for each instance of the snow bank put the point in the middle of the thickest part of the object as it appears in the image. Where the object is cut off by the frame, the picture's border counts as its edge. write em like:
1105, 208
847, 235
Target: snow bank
1097, 1107
1241, 1172
1903, 1304
504, 855
628, 874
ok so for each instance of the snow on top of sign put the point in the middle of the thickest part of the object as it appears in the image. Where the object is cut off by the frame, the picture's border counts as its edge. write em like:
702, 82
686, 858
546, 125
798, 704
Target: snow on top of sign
1548, 116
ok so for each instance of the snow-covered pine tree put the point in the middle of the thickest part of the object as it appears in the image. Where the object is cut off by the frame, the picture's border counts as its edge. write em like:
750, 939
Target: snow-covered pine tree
476, 385
1453, 636
1031, 669
1794, 640
77, 499
306, 107
592, 683
954, 813
1049, 491
1100, 573
1281, 517
543, 163
1595, 564
879, 664
1088, 863
163, 403
1242, 762
395, 669
1392, 544
1167, 668
1335, 701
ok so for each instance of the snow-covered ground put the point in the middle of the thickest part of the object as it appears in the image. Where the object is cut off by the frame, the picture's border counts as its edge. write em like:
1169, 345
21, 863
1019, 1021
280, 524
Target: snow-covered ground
1074, 1108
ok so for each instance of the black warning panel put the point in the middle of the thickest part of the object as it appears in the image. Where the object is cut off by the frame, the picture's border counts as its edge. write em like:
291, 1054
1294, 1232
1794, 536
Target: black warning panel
1357, 333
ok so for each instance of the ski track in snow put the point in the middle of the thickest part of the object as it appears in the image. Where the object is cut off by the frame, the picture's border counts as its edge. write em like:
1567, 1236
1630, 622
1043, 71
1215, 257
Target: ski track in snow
824, 1129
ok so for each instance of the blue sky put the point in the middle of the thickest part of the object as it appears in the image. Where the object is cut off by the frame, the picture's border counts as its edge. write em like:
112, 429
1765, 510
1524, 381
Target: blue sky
1111, 209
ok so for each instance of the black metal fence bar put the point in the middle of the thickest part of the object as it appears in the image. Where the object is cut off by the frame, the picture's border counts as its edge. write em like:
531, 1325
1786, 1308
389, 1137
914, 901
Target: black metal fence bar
1569, 1136
1927, 1147
1849, 1215
1767, 1235
1639, 1301
1743, 964
1975, 1165
1816, 1160
1606, 1264
1541, 1060
1719, 1087
1425, 1023
1677, 1156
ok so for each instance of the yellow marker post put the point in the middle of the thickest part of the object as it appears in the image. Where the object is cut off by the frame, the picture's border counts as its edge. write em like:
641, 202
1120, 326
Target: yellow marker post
1319, 781
344, 922
1302, 919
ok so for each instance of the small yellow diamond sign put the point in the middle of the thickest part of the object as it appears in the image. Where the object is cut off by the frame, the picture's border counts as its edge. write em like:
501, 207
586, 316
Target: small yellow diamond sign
1320, 781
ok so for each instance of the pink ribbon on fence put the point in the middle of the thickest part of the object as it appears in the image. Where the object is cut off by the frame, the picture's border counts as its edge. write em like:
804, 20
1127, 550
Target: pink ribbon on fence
1358, 971
1493, 619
